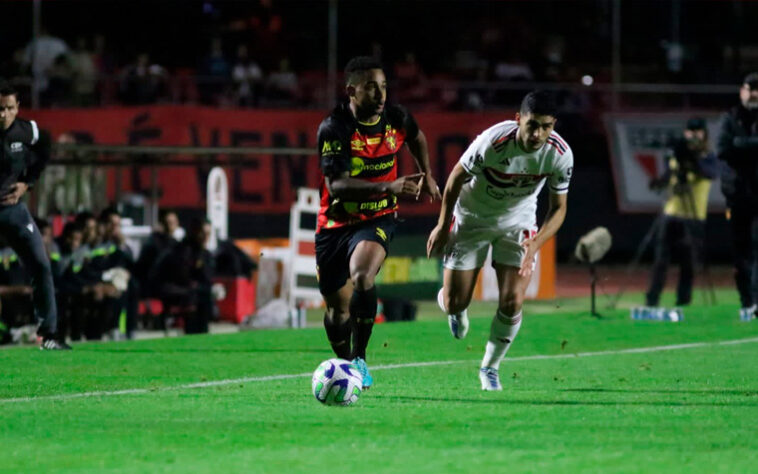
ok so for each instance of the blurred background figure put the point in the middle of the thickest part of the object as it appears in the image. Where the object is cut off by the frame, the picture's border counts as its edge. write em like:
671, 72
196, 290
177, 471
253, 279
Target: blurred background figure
738, 148
183, 277
689, 169
248, 79
143, 82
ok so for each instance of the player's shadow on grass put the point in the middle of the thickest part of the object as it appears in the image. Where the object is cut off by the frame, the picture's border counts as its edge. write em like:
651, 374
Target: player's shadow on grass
747, 393
511, 401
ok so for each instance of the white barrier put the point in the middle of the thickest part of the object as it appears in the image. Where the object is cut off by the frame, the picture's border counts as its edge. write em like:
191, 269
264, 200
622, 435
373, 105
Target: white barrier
301, 269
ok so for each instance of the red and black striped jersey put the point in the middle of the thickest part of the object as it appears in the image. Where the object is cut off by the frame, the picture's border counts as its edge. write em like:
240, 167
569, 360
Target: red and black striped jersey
363, 151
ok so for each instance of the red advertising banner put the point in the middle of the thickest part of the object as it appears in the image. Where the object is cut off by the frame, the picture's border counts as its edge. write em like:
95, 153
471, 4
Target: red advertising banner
267, 185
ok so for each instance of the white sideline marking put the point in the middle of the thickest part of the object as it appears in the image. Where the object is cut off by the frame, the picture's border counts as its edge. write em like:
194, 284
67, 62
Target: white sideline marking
217, 383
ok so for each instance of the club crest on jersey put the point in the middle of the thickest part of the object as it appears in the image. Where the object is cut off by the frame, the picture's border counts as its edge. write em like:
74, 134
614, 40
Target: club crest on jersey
391, 142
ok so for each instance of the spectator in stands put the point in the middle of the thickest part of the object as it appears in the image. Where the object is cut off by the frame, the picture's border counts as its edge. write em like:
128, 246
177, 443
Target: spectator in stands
105, 274
248, 79
84, 74
411, 80
183, 278
105, 67
281, 86
161, 241
143, 82
13, 69
215, 73
41, 53
60, 83
68, 284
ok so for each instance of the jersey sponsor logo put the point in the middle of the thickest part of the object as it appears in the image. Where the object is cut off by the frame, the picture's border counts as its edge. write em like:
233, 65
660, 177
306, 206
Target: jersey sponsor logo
16, 147
374, 140
369, 206
494, 193
357, 144
508, 180
370, 168
331, 148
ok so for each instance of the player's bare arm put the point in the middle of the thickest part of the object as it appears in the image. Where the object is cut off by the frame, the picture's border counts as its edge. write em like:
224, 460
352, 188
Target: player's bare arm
420, 151
556, 213
345, 187
441, 232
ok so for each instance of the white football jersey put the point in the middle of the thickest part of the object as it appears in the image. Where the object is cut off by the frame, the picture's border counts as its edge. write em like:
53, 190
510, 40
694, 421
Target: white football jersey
506, 180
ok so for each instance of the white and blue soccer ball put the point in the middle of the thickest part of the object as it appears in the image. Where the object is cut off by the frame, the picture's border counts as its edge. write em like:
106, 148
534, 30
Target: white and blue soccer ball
337, 382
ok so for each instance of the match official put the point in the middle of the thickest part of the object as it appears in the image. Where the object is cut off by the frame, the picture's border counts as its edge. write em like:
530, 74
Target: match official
23, 155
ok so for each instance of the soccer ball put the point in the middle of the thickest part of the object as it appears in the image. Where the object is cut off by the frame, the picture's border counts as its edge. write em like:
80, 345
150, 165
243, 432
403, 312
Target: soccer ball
337, 382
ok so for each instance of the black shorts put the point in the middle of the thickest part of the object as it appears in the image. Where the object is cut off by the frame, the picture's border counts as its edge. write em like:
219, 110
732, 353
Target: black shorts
335, 246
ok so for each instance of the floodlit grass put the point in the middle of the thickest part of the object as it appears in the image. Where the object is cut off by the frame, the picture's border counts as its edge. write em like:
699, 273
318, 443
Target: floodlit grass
684, 410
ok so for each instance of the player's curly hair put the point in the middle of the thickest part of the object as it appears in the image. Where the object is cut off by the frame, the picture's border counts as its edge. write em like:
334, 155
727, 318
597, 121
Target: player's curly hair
358, 66
539, 103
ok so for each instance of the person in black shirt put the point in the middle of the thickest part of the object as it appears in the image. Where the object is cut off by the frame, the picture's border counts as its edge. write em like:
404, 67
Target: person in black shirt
162, 240
24, 152
358, 146
183, 277
737, 146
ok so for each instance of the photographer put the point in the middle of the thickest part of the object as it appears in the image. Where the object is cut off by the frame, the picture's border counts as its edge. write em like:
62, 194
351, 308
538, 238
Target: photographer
738, 147
690, 167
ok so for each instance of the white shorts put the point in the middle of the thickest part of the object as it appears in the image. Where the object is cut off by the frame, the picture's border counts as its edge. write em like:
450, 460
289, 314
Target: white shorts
468, 246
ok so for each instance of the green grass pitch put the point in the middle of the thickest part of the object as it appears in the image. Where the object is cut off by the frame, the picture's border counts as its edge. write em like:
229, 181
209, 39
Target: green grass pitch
672, 409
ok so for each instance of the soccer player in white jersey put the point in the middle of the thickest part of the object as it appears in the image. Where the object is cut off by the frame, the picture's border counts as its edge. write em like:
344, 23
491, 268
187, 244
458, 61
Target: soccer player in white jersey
490, 199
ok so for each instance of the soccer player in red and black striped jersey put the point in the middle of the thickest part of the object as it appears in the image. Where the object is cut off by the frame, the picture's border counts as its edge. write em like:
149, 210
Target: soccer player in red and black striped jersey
358, 147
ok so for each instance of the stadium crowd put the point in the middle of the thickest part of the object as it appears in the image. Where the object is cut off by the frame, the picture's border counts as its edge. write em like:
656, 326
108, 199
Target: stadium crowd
261, 54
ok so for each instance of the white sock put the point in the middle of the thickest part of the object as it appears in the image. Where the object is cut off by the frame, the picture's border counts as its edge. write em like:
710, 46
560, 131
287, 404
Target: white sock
502, 333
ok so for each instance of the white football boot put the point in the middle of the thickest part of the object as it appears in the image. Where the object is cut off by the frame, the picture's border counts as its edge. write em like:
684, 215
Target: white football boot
490, 379
458, 323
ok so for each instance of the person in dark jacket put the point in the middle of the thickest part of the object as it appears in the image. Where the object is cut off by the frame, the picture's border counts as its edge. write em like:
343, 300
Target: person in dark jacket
184, 275
737, 146
24, 152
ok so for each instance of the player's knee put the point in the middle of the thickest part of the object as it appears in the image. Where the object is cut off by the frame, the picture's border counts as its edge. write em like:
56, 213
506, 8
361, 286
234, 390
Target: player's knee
337, 315
455, 303
362, 279
511, 303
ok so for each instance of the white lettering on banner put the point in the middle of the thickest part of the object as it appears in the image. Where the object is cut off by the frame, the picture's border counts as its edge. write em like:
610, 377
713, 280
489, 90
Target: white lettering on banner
218, 206
638, 144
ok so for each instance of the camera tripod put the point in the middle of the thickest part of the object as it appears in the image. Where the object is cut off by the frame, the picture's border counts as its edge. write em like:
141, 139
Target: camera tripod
697, 258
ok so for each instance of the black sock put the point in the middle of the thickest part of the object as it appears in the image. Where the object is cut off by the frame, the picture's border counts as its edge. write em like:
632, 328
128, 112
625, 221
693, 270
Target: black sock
339, 337
362, 313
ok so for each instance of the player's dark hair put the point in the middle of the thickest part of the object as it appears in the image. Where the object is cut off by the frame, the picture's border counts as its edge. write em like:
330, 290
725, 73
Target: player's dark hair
163, 213
751, 80
82, 218
539, 103
8, 90
358, 66
70, 228
106, 214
